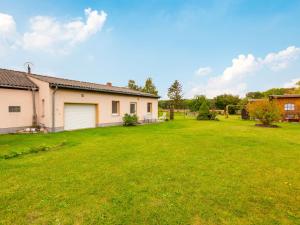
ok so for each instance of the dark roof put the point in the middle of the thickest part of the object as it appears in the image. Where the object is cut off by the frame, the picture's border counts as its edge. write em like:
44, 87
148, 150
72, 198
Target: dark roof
15, 79
74, 84
81, 85
285, 96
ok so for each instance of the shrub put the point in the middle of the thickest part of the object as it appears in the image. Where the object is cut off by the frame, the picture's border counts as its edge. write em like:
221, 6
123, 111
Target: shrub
130, 120
205, 114
265, 111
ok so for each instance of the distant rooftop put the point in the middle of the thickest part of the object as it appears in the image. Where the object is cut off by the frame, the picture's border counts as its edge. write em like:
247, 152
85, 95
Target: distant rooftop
285, 96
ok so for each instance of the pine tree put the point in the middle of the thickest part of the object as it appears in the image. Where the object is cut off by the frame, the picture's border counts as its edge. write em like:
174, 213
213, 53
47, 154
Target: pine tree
204, 113
175, 93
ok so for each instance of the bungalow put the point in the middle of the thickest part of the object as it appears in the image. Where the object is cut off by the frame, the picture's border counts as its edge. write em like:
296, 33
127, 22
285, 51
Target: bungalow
289, 104
56, 104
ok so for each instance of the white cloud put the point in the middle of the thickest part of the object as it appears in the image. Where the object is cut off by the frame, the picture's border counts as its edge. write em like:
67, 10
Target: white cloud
203, 71
7, 32
232, 80
281, 59
46, 33
7, 25
291, 83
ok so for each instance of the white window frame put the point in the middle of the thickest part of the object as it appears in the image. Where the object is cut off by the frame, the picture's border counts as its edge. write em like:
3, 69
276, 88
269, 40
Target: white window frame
289, 107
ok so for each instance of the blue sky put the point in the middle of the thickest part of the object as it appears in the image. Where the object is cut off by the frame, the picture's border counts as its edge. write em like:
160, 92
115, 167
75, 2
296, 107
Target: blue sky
211, 47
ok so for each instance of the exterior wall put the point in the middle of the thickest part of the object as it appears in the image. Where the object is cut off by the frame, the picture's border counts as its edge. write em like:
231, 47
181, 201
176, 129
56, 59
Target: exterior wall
282, 101
12, 121
43, 103
103, 103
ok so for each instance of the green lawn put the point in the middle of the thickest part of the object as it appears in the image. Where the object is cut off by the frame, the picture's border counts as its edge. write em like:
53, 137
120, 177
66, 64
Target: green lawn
180, 172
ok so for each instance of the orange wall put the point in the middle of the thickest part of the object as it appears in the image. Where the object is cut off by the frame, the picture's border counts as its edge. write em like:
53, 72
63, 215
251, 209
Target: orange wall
282, 101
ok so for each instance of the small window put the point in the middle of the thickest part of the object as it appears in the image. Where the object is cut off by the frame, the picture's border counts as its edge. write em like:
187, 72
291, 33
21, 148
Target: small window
289, 107
115, 107
149, 107
132, 108
14, 108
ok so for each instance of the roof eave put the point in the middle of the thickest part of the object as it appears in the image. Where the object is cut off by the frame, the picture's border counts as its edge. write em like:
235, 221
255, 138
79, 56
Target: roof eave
18, 87
284, 96
101, 90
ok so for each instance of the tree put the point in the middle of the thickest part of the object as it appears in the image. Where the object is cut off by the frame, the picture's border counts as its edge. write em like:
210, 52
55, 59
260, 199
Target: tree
255, 95
274, 91
175, 93
204, 113
196, 102
222, 101
265, 111
132, 85
150, 87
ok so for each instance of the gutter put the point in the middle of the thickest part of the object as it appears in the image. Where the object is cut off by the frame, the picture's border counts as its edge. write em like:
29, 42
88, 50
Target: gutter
34, 116
53, 108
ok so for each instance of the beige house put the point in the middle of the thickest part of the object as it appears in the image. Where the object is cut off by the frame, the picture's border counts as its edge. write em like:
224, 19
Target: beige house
58, 104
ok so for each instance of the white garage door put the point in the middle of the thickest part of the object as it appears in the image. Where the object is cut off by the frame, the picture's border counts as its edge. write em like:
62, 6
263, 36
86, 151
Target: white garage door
78, 116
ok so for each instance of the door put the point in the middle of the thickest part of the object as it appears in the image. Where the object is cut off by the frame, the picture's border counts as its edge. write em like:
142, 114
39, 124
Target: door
79, 116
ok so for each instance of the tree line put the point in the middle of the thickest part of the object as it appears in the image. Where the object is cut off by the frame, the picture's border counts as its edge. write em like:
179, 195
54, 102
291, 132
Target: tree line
219, 102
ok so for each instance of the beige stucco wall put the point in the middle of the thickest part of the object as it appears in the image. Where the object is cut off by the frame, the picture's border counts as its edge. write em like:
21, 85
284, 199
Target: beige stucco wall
43, 103
15, 97
104, 105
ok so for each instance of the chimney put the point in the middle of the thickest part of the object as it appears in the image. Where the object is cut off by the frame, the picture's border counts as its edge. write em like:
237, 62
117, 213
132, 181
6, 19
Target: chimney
28, 69
109, 84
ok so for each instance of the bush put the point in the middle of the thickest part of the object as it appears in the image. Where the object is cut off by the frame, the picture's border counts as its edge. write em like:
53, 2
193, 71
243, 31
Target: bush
130, 120
205, 114
265, 111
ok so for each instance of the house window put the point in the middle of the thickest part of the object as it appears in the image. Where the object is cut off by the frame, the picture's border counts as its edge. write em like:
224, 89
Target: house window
14, 108
289, 107
132, 108
115, 107
149, 107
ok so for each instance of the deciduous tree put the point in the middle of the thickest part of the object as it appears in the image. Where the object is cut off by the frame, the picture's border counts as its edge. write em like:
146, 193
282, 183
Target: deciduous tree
150, 87
265, 111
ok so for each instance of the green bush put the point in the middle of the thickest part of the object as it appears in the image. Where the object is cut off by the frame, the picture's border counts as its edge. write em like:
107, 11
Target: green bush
130, 120
205, 114
265, 111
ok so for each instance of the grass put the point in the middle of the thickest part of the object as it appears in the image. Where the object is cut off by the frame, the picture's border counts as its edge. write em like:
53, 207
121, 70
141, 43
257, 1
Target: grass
179, 172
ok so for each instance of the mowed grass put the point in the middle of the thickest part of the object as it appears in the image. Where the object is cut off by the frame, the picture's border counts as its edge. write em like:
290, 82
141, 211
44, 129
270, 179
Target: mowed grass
179, 172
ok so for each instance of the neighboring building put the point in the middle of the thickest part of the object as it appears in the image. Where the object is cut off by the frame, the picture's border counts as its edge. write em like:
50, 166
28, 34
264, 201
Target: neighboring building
58, 104
290, 104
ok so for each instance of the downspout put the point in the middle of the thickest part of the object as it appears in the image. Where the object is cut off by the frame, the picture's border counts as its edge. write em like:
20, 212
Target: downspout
53, 108
34, 117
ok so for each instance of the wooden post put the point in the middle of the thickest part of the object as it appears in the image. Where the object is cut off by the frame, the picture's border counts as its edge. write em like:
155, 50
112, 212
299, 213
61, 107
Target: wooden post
226, 111
172, 112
